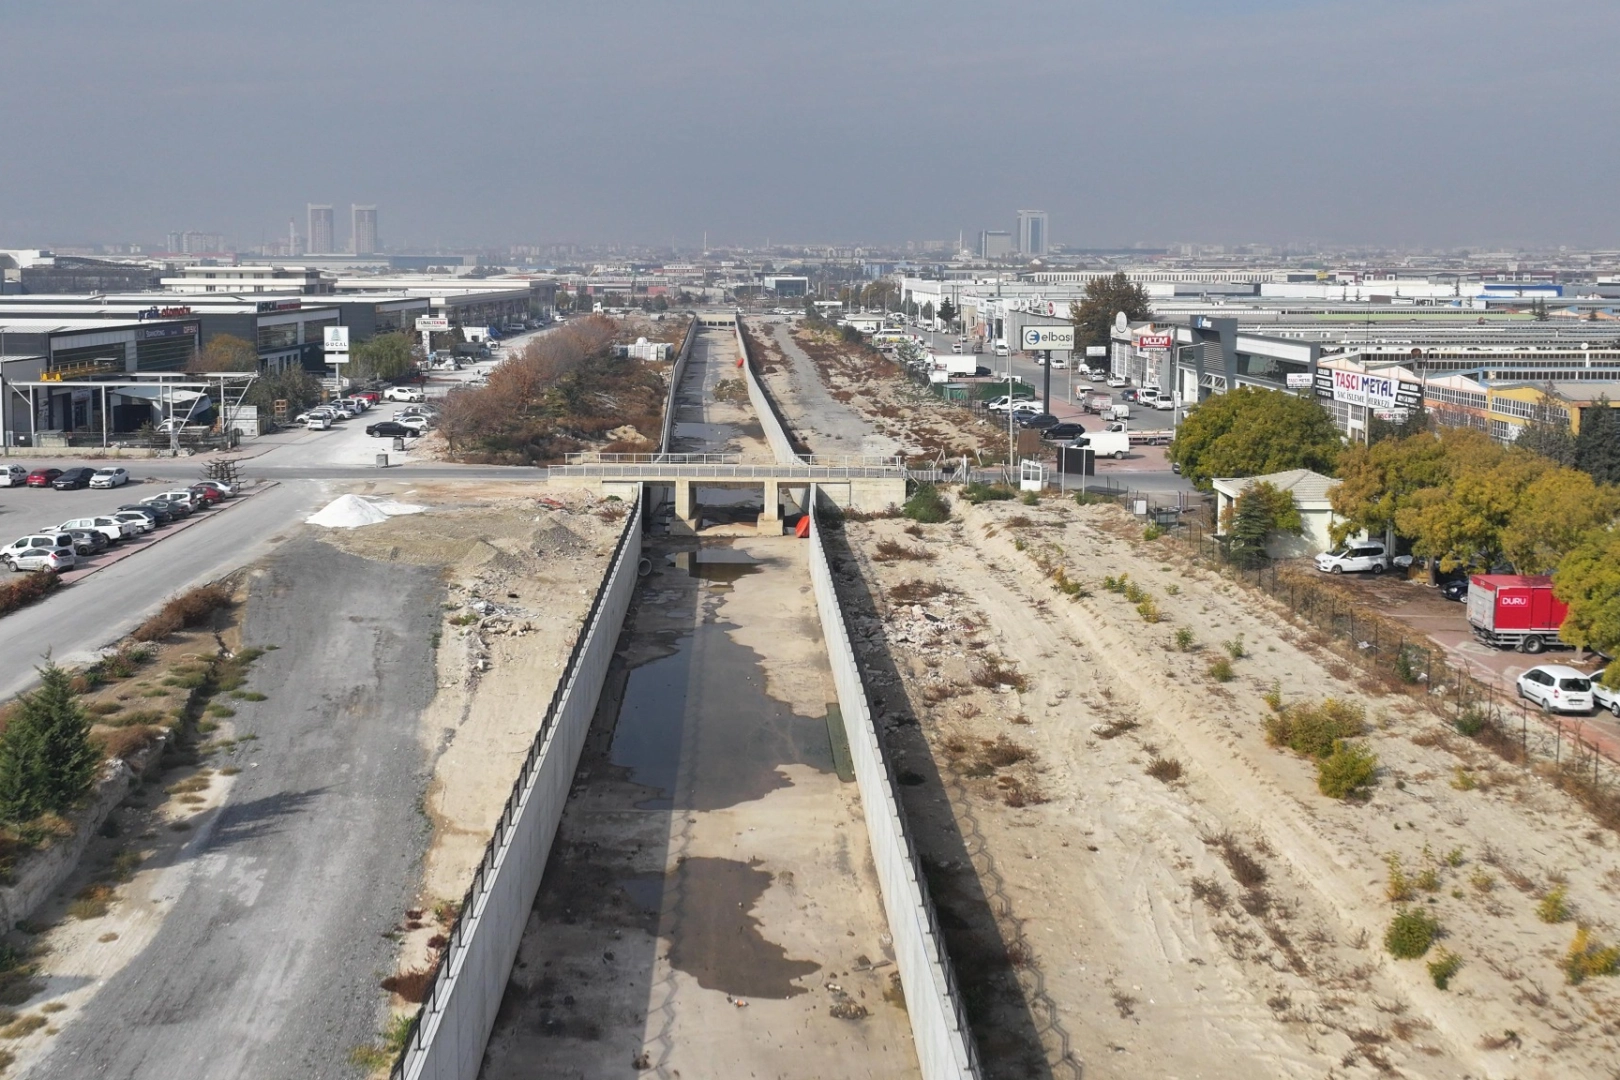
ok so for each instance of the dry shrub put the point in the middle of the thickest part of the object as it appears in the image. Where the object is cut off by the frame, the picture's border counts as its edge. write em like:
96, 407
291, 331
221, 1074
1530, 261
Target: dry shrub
1210, 892
993, 673
193, 608
1167, 770
92, 902
891, 550
412, 984
911, 592
124, 742
1002, 752
20, 592
1246, 869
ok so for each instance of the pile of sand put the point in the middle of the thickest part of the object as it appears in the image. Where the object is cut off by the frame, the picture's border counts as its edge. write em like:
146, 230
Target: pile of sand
353, 512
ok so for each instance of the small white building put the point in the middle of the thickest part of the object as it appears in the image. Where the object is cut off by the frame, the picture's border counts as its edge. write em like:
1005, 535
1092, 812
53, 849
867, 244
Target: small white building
1310, 493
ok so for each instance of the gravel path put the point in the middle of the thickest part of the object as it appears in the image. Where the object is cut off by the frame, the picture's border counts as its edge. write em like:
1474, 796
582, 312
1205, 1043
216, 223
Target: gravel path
267, 965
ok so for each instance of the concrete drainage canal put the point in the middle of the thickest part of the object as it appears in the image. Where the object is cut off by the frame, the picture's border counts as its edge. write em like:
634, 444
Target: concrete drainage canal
710, 907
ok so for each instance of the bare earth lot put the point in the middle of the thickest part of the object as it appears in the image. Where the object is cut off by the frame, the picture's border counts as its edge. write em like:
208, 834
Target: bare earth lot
1227, 921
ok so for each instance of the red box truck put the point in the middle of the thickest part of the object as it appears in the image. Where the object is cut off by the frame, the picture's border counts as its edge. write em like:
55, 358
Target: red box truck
1513, 611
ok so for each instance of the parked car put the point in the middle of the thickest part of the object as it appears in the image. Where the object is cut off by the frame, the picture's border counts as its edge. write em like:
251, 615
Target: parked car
1357, 557
1455, 589
318, 422
1037, 420
1065, 430
73, 478
179, 507
43, 477
1116, 380
143, 523
206, 495
220, 486
109, 477
392, 429
160, 515
404, 393
1557, 688
88, 542
41, 551
371, 396
1602, 696
13, 476
110, 527
420, 423
185, 495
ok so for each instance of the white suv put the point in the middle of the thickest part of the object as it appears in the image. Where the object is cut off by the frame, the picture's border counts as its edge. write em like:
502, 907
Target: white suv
43, 551
1356, 557
1557, 688
404, 393
110, 527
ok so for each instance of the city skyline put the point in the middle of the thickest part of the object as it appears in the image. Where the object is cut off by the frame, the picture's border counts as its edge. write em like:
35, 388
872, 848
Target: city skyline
1247, 121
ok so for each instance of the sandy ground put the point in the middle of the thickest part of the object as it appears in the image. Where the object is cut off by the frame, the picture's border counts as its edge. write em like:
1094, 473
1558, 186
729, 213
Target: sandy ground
1120, 910
710, 907
523, 562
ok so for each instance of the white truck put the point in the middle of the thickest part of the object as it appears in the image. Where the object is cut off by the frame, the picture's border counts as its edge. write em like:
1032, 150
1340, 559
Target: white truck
1114, 444
1117, 411
953, 364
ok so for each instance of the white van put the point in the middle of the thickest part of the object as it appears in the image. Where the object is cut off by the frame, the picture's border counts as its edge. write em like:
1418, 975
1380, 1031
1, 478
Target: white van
1114, 444
1001, 349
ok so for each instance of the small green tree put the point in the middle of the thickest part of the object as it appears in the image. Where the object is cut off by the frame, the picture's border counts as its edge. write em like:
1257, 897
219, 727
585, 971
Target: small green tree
46, 760
1261, 510
1093, 316
947, 311
1597, 447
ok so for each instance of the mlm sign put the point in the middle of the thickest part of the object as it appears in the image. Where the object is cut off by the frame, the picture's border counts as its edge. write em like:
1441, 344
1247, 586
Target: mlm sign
1372, 391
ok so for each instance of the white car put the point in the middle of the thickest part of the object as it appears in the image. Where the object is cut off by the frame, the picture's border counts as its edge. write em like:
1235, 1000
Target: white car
1557, 688
42, 551
110, 527
1116, 380
420, 423
1357, 557
1017, 405
1166, 403
404, 393
109, 478
143, 522
1602, 696
13, 476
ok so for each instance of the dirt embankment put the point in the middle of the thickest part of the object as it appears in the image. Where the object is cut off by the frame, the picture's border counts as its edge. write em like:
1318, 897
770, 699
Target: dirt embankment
522, 564
1174, 896
864, 380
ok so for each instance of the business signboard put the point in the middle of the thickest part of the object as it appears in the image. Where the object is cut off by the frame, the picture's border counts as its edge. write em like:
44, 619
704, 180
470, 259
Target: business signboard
1368, 390
1299, 380
1155, 341
1035, 338
433, 322
336, 339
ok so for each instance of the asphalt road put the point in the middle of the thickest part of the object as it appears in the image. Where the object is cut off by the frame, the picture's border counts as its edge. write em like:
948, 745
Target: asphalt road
267, 965
77, 620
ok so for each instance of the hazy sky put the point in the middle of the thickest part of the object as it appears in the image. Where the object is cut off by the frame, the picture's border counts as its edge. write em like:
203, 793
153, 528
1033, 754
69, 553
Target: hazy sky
1402, 122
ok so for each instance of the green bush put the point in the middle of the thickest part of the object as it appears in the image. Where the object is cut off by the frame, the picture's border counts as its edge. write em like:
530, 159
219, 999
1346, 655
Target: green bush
1184, 638
1588, 957
1411, 933
1347, 772
980, 492
1470, 722
1313, 730
1444, 965
1029, 498
1152, 532
1221, 671
927, 505
1552, 908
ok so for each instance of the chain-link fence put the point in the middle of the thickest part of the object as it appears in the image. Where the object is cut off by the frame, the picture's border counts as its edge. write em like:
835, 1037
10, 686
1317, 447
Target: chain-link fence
1573, 751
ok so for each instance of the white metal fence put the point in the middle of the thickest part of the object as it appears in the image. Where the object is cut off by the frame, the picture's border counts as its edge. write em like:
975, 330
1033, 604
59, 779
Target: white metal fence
945, 1049
448, 1034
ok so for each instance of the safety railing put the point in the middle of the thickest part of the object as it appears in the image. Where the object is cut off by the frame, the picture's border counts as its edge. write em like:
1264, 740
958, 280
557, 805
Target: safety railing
675, 376
661, 471
939, 1028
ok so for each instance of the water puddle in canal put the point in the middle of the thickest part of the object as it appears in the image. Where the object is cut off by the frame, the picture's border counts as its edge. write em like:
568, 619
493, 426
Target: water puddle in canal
718, 942
695, 723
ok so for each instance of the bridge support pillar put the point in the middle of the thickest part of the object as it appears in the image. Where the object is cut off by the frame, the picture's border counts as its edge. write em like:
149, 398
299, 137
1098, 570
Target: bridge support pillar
684, 508
770, 518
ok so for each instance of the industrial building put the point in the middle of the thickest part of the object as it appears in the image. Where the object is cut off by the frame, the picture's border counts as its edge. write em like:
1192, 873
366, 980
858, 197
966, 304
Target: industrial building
1032, 233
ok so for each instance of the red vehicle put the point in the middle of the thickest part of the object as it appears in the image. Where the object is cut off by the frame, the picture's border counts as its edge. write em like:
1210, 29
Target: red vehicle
1513, 611
209, 495
370, 395
43, 477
